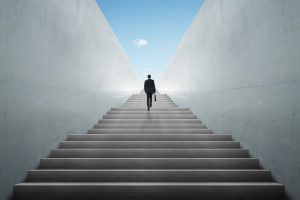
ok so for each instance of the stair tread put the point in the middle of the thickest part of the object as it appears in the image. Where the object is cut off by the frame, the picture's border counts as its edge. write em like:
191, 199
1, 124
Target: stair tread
149, 136
145, 126
153, 183
149, 141
149, 130
152, 163
171, 129
151, 153
208, 159
142, 175
137, 134
150, 144
151, 170
154, 121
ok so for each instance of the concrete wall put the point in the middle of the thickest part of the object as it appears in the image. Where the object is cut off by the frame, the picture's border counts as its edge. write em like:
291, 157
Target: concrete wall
61, 69
238, 69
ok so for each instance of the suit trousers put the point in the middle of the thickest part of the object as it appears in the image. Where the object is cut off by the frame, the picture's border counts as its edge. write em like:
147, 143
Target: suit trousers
149, 99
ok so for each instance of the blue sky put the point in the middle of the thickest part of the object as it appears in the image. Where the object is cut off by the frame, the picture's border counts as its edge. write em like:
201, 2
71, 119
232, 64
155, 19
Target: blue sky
150, 30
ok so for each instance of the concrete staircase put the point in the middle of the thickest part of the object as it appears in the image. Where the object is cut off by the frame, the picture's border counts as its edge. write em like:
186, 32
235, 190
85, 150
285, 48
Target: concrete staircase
166, 153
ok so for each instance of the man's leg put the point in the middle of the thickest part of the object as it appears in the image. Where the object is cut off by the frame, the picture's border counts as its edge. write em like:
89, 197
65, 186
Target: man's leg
150, 99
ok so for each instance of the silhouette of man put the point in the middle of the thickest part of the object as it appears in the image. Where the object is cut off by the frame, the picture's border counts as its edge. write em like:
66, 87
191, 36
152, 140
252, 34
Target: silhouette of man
149, 88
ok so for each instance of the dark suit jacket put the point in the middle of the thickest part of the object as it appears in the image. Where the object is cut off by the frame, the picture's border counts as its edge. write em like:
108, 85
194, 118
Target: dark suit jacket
149, 86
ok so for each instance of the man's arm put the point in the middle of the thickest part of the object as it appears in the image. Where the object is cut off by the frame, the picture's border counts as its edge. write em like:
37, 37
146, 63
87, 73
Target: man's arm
145, 86
154, 87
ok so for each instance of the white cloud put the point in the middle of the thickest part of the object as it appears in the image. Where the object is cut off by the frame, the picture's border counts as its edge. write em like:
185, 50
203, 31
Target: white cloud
149, 70
140, 43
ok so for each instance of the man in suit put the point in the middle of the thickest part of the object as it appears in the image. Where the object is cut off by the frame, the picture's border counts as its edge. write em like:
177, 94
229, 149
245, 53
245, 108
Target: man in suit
149, 88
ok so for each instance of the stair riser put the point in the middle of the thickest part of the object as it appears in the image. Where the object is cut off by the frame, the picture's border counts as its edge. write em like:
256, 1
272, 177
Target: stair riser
144, 105
153, 104
145, 101
150, 131
149, 153
149, 163
148, 176
148, 125
152, 109
149, 137
146, 114
148, 144
151, 121
63, 192
145, 97
150, 116
158, 100
143, 94
152, 112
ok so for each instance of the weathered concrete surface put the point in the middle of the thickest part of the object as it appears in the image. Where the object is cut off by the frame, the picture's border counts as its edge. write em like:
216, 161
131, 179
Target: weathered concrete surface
61, 68
238, 69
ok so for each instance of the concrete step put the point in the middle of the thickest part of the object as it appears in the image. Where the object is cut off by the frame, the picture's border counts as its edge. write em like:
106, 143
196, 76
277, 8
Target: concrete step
149, 153
143, 175
150, 144
152, 109
145, 100
155, 107
157, 121
149, 125
153, 103
150, 131
158, 99
145, 96
152, 112
145, 105
149, 116
149, 191
149, 163
149, 137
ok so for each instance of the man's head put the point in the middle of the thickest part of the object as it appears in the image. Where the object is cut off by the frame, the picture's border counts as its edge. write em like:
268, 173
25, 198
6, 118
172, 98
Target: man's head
149, 76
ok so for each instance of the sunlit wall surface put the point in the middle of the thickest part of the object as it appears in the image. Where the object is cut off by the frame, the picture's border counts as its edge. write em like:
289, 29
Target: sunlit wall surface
238, 69
61, 69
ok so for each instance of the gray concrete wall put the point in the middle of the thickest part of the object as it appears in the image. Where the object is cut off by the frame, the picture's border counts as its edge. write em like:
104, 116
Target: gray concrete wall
238, 69
61, 69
